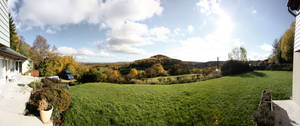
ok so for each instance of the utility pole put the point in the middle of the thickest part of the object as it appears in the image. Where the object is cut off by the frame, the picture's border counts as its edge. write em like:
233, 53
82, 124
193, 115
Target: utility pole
217, 64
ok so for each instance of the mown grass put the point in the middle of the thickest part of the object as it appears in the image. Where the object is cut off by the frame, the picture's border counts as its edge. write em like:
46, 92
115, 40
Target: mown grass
230, 100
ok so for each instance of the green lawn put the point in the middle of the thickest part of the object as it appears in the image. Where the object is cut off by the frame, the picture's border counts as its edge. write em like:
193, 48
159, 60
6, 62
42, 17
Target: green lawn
230, 100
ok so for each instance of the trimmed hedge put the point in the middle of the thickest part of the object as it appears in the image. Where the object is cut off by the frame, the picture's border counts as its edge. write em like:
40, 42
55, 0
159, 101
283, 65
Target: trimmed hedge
91, 76
233, 67
277, 67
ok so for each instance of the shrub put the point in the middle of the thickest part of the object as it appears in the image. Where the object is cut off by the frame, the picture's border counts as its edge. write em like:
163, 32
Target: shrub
36, 84
233, 67
56, 117
278, 67
59, 98
207, 71
180, 69
284, 67
50, 80
91, 76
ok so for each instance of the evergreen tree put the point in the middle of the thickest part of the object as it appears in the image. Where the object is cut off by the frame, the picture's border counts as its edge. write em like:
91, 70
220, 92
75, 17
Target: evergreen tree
14, 38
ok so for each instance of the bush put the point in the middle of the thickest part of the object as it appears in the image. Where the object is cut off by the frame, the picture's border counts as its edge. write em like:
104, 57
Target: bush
91, 76
36, 84
233, 67
50, 80
284, 67
207, 71
59, 98
277, 67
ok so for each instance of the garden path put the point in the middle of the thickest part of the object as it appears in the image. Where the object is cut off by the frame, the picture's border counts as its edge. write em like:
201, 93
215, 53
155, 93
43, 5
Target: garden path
13, 98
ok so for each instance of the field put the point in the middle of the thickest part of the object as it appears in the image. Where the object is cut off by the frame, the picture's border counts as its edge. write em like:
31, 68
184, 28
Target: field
230, 100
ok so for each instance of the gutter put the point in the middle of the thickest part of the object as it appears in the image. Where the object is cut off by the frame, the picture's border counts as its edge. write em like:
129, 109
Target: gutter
293, 13
293, 7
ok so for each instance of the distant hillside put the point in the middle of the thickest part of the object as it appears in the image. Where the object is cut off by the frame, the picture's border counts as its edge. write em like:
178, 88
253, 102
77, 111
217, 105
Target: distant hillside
165, 61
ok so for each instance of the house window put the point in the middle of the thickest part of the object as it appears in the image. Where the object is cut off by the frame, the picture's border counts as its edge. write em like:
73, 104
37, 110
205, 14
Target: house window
5, 65
17, 65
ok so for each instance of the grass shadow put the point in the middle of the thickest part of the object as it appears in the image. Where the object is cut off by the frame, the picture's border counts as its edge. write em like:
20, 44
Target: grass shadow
253, 74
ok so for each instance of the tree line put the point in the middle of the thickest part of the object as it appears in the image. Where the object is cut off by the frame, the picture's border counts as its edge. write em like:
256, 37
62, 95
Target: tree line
283, 48
44, 57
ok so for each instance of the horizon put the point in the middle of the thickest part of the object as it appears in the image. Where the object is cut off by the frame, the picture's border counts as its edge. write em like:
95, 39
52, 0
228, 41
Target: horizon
163, 55
128, 30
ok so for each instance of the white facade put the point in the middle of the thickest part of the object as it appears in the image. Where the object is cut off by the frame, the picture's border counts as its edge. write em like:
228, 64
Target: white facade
10, 60
297, 34
4, 24
26, 66
296, 69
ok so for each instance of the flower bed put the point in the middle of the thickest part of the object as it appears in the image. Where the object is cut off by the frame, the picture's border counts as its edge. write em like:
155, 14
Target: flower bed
264, 116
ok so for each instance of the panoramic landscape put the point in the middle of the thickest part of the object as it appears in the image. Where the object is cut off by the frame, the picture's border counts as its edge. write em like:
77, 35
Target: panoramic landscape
149, 62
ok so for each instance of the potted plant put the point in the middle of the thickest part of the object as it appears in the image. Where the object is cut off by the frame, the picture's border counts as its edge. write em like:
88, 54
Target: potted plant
45, 110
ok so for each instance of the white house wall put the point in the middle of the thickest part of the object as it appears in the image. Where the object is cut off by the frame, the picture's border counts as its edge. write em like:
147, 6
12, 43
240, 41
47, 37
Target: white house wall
4, 24
2, 72
25, 66
297, 35
7, 67
296, 66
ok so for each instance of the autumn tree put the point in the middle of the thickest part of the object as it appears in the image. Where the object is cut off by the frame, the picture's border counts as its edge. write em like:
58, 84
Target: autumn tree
156, 70
275, 57
133, 74
14, 39
25, 48
287, 44
238, 53
51, 66
180, 69
113, 76
70, 64
141, 74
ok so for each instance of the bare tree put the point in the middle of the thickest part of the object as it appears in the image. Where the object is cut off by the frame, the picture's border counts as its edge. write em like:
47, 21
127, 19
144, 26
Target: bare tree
238, 53
41, 46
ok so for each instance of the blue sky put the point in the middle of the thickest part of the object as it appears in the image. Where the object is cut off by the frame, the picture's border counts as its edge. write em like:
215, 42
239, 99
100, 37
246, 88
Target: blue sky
127, 30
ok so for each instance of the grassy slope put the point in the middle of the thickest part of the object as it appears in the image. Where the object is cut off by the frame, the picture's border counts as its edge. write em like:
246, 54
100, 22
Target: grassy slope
230, 100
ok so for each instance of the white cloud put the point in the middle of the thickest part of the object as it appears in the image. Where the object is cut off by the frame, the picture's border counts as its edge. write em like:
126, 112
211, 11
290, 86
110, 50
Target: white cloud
209, 7
81, 58
190, 28
12, 4
105, 13
125, 49
83, 52
266, 47
253, 11
50, 31
67, 51
159, 34
120, 18
212, 45
129, 37
178, 32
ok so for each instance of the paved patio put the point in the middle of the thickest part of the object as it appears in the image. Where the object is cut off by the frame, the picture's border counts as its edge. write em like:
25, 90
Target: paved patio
287, 113
13, 98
